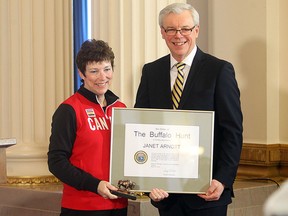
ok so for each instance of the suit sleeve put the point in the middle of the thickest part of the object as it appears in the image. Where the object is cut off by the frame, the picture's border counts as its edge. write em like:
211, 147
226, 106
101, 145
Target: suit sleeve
228, 127
142, 97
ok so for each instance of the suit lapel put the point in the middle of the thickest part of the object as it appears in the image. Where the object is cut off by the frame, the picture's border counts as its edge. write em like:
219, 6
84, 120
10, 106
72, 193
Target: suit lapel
191, 79
166, 80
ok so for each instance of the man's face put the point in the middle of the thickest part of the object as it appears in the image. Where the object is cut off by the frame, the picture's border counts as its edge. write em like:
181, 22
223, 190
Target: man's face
179, 45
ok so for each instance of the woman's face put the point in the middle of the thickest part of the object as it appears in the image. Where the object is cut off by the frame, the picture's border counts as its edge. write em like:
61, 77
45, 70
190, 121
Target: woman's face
98, 76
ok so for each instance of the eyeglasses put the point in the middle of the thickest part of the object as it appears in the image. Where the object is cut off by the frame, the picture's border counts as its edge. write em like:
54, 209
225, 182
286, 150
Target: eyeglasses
182, 31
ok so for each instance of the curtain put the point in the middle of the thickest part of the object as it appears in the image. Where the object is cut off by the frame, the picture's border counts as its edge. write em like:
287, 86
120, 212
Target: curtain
80, 32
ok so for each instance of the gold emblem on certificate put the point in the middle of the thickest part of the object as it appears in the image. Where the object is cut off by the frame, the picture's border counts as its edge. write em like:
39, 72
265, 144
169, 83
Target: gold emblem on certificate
141, 157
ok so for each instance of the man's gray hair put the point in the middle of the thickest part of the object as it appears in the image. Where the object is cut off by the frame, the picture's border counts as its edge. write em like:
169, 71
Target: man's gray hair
178, 8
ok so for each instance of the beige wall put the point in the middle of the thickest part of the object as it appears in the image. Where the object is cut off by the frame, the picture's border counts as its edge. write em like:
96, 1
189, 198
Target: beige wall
238, 34
251, 34
36, 62
283, 70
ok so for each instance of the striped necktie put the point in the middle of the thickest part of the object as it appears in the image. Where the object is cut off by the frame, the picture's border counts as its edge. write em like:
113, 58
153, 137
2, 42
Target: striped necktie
178, 85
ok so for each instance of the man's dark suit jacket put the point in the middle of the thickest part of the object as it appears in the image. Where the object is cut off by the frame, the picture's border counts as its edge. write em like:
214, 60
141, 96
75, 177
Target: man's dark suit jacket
211, 85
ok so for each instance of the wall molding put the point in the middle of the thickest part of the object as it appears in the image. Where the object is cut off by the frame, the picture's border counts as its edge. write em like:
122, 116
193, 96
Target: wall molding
263, 161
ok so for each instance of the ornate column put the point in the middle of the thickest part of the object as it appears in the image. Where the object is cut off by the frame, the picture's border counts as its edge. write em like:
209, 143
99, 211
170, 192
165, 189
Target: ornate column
35, 76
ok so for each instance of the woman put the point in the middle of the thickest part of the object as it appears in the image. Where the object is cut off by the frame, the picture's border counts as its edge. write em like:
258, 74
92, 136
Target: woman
79, 149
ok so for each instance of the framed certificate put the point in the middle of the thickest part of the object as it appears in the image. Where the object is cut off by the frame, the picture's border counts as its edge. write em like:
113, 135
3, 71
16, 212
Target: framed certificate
167, 149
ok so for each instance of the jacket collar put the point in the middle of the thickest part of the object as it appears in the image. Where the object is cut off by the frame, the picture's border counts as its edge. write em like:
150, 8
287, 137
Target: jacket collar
109, 95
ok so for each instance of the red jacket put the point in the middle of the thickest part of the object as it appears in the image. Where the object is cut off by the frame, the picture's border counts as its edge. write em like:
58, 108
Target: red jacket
89, 154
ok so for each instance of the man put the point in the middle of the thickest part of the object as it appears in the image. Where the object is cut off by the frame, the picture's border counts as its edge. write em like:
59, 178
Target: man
208, 84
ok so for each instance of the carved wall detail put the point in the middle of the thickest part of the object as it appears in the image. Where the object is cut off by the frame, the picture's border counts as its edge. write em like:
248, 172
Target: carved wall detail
263, 161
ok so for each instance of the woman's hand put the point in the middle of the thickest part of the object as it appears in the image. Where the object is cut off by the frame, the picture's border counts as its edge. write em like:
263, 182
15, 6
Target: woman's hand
104, 188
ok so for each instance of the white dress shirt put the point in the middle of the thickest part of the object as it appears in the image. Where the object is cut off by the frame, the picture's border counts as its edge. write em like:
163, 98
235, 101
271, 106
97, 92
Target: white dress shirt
188, 62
